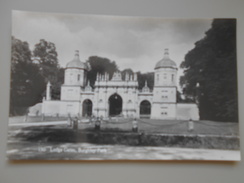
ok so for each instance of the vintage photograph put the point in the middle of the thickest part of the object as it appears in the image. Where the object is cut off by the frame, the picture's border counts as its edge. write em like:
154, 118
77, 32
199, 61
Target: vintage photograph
102, 87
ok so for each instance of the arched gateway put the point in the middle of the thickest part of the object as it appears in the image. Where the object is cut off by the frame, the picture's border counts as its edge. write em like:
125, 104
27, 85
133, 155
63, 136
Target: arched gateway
145, 109
87, 108
115, 105
103, 99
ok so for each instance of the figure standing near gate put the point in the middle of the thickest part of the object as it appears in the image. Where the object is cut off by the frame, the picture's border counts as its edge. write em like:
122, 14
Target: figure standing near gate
190, 125
97, 124
134, 125
75, 123
69, 122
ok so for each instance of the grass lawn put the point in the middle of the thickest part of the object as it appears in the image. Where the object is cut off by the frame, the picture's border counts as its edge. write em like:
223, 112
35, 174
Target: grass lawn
165, 133
24, 119
146, 125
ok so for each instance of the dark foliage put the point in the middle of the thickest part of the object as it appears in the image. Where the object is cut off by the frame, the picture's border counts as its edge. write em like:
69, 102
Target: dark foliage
45, 53
128, 71
56, 86
27, 83
100, 65
123, 137
143, 77
29, 75
46, 56
212, 64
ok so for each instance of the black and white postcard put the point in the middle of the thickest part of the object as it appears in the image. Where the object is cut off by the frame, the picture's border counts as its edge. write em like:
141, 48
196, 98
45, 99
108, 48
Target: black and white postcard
99, 87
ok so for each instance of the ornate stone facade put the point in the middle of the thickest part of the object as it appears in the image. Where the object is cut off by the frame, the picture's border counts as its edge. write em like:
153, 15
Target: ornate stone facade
118, 97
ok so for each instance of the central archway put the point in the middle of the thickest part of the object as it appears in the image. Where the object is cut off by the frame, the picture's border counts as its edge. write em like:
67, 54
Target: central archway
87, 108
115, 104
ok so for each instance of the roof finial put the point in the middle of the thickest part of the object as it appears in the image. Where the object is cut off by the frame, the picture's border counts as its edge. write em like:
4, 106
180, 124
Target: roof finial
145, 88
76, 53
166, 52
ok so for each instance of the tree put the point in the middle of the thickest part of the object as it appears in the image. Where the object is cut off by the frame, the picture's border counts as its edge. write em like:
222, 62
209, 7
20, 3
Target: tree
128, 71
46, 57
143, 77
210, 72
45, 53
26, 82
100, 65
56, 86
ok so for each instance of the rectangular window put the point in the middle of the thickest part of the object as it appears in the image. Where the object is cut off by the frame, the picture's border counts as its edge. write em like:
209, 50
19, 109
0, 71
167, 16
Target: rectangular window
78, 77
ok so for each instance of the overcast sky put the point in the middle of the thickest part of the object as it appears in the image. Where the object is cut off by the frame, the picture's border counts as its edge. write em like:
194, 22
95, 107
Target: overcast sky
133, 42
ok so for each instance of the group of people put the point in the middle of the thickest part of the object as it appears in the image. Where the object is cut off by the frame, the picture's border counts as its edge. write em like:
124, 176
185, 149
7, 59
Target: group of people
73, 123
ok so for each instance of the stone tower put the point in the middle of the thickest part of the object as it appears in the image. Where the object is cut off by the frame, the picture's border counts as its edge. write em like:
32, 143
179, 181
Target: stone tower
74, 79
165, 90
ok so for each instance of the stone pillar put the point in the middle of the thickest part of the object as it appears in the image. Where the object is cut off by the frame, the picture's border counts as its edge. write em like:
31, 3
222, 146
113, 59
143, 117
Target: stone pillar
48, 91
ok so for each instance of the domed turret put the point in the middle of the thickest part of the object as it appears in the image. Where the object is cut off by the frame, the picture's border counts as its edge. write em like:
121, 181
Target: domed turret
76, 62
76, 71
165, 71
165, 88
166, 62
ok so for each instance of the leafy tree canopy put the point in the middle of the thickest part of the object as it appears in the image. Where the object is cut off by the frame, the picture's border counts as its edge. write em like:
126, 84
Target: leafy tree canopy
46, 57
210, 72
143, 77
26, 81
100, 65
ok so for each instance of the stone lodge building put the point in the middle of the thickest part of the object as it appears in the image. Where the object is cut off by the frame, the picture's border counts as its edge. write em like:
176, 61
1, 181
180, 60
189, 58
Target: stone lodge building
117, 97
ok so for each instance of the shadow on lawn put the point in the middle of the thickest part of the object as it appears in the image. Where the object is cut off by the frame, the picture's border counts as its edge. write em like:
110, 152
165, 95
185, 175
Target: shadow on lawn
125, 137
